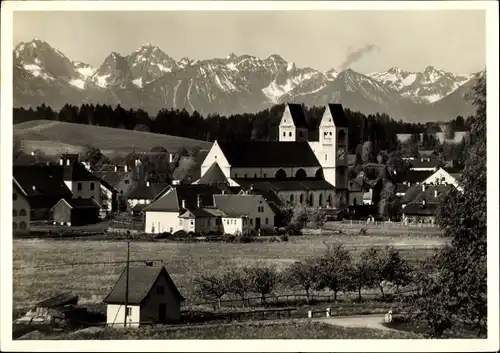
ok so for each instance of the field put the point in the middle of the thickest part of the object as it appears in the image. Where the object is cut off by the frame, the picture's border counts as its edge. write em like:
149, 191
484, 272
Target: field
293, 329
184, 261
54, 137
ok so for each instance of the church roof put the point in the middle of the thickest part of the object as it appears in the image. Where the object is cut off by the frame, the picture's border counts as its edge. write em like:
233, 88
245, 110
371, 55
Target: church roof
284, 185
213, 175
338, 115
298, 115
268, 154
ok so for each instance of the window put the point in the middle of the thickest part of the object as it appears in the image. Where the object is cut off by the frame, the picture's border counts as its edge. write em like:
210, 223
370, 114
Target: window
301, 133
235, 175
129, 311
341, 137
265, 175
127, 181
284, 133
246, 175
290, 134
22, 225
79, 186
192, 222
160, 290
255, 175
22, 213
326, 156
180, 221
331, 133
92, 186
301, 198
14, 225
320, 200
291, 198
14, 196
251, 221
267, 220
14, 213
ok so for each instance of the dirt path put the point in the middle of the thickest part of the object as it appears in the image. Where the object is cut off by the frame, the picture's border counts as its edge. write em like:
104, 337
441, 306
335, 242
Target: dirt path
370, 321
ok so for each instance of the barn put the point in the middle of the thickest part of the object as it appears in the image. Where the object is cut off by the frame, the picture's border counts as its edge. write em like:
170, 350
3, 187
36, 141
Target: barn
75, 212
152, 298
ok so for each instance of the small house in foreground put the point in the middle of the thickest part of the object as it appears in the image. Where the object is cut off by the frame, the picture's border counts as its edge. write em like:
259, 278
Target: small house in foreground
152, 298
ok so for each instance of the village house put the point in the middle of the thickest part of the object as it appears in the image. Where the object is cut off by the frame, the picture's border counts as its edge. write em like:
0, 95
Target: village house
421, 202
425, 164
313, 173
244, 214
152, 298
43, 186
451, 176
20, 210
145, 193
185, 207
109, 197
120, 177
81, 182
75, 212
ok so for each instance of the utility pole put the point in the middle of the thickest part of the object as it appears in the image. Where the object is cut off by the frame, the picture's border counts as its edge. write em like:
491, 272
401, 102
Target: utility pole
126, 282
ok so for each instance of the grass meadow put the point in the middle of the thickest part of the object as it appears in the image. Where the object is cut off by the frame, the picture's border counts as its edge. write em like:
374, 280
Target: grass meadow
293, 329
184, 261
52, 137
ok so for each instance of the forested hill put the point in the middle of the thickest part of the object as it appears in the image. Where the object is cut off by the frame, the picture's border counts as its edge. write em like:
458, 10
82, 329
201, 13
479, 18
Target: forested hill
378, 128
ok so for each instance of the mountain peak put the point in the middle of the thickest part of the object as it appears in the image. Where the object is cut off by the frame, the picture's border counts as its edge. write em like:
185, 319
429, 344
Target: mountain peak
231, 56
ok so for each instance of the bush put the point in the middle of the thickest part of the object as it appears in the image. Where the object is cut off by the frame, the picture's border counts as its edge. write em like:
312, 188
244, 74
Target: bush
267, 231
293, 229
284, 237
244, 239
180, 234
163, 235
228, 238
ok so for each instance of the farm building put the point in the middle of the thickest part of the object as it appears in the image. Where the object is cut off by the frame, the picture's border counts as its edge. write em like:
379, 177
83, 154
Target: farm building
119, 177
315, 173
76, 212
421, 202
145, 193
242, 214
152, 298
425, 164
451, 176
109, 197
185, 207
20, 210
82, 183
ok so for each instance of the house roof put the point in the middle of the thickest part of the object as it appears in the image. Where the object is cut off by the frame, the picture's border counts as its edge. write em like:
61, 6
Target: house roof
171, 201
26, 159
424, 163
73, 157
144, 192
419, 209
401, 188
41, 180
58, 300
413, 176
79, 204
338, 115
416, 194
298, 115
268, 154
111, 177
139, 207
197, 213
427, 153
284, 185
237, 205
213, 175
140, 282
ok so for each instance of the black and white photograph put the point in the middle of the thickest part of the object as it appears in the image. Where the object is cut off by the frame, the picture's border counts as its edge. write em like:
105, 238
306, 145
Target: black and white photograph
249, 176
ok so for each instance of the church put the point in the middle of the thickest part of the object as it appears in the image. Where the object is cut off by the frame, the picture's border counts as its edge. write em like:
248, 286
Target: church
312, 173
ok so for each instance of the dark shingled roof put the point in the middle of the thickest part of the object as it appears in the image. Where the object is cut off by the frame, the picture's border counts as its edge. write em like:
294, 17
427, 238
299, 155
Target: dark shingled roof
141, 281
83, 203
415, 193
171, 201
268, 154
413, 176
298, 115
213, 175
284, 185
144, 192
419, 209
338, 115
197, 213
237, 205
111, 177
425, 163
59, 300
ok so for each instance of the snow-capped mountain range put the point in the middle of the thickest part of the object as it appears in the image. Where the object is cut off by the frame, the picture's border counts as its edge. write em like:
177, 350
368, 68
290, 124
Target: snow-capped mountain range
150, 79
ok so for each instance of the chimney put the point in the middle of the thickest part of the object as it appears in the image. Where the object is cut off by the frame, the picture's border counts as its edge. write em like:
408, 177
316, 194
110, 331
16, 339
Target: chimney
171, 158
32, 153
423, 187
61, 161
147, 183
34, 187
68, 162
223, 192
198, 201
183, 204
435, 193
423, 202
126, 168
116, 168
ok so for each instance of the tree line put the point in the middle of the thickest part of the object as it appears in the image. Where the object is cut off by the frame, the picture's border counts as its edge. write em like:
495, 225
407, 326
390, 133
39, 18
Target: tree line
263, 125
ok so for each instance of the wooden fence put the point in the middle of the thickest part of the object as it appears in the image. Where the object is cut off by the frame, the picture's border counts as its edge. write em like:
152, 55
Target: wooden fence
384, 224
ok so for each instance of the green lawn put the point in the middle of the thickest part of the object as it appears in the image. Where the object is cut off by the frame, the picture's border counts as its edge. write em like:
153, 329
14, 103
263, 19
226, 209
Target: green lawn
184, 261
293, 329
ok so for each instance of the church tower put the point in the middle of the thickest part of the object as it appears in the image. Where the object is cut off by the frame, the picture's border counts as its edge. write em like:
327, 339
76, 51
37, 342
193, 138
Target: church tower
293, 124
331, 149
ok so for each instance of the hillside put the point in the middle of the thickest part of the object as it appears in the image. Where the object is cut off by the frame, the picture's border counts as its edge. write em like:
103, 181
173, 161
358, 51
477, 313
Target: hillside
53, 137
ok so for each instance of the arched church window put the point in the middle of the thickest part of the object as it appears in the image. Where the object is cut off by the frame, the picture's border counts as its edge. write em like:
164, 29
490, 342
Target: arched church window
331, 133
301, 198
329, 199
354, 202
290, 134
311, 199
280, 174
291, 198
319, 174
255, 175
301, 174
320, 200
284, 133
341, 136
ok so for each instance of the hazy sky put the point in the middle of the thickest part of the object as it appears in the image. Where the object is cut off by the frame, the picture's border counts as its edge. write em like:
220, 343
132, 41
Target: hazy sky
453, 40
